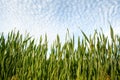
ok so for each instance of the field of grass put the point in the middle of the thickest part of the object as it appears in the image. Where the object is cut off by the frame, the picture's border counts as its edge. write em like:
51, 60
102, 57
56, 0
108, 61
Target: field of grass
95, 58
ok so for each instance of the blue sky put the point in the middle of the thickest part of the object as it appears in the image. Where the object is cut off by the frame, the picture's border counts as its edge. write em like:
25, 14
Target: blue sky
54, 16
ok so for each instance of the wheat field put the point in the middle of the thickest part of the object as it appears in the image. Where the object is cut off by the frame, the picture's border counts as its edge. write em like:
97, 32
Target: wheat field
95, 58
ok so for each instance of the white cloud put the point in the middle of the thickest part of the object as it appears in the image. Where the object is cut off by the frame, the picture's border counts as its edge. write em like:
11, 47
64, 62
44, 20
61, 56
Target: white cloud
39, 19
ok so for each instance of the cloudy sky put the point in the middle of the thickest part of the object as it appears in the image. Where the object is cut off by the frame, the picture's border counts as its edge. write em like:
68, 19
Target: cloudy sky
54, 16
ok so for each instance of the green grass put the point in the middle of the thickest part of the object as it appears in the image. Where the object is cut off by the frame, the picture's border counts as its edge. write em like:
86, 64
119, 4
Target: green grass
95, 58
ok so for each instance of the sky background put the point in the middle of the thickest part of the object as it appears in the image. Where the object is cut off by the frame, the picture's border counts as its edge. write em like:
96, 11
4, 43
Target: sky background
53, 17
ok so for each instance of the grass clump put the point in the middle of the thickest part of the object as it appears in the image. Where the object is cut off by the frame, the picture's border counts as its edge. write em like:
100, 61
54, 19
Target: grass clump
95, 58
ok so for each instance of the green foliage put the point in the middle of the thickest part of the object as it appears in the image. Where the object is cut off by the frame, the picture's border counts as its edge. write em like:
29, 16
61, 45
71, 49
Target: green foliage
95, 58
